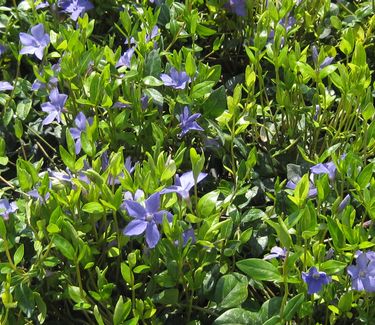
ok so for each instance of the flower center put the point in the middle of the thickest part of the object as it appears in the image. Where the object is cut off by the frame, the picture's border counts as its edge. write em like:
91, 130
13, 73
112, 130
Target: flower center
316, 276
362, 274
149, 217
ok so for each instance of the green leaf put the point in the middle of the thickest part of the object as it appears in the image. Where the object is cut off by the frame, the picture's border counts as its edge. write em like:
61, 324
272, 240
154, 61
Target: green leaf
23, 108
152, 81
3, 229
167, 297
345, 302
64, 246
237, 316
293, 305
190, 66
25, 298
259, 269
201, 89
122, 310
156, 96
216, 103
207, 204
127, 274
18, 255
364, 177
67, 158
93, 207
332, 266
231, 290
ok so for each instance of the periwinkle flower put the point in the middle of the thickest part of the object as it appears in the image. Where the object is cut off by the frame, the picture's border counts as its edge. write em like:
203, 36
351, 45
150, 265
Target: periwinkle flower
276, 252
344, 203
36, 42
186, 236
315, 56
315, 280
75, 8
175, 79
312, 189
54, 107
5, 85
188, 123
146, 219
363, 273
7, 208
2, 49
81, 122
328, 168
41, 4
183, 184
125, 59
237, 6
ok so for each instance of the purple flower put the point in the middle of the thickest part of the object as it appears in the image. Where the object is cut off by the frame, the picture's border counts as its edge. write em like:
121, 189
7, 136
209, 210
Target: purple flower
330, 254
125, 59
183, 184
276, 252
312, 189
315, 56
2, 49
175, 79
7, 208
146, 219
317, 112
315, 280
153, 34
344, 203
188, 123
54, 107
52, 82
41, 4
186, 235
36, 42
5, 85
75, 8
36, 195
81, 123
363, 273
326, 168
237, 6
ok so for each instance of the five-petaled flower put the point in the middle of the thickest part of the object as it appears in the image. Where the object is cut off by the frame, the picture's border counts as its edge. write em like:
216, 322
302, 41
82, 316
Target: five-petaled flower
363, 273
75, 8
183, 184
175, 79
81, 122
36, 42
328, 168
54, 107
237, 6
146, 219
188, 123
276, 252
5, 85
315, 280
7, 208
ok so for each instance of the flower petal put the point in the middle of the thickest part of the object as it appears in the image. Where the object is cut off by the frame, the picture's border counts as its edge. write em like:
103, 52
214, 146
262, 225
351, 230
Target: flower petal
135, 227
152, 234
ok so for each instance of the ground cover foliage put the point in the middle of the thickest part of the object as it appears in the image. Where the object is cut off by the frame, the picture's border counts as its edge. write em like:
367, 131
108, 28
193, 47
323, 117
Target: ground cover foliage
192, 162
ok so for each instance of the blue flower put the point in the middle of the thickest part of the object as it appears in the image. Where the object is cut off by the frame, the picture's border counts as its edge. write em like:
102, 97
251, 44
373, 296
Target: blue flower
75, 8
175, 79
326, 168
36, 42
344, 203
81, 123
5, 85
2, 49
146, 219
312, 189
276, 252
7, 208
315, 55
183, 184
125, 59
315, 280
54, 107
188, 123
363, 273
237, 6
